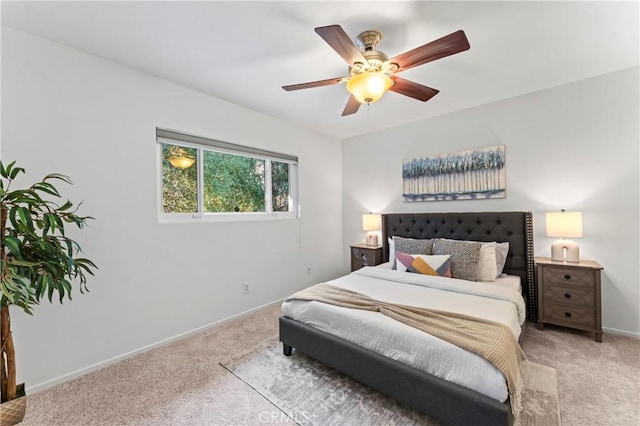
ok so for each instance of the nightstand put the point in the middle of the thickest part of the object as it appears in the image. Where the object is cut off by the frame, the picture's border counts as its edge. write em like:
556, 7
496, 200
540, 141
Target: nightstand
569, 294
364, 255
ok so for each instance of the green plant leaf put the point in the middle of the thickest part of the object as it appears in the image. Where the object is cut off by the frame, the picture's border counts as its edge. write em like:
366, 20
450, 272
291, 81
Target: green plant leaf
66, 206
51, 218
13, 244
66, 285
64, 178
46, 280
14, 172
45, 187
6, 172
25, 217
59, 223
45, 227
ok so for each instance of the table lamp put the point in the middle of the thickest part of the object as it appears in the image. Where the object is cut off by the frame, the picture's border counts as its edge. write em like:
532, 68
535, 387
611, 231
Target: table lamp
371, 224
564, 225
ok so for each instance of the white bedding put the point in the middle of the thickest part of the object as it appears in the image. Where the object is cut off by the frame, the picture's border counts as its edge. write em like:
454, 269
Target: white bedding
408, 345
509, 281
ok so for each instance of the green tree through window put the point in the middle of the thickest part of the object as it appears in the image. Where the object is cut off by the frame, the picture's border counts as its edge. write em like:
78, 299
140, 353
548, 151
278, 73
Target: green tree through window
233, 183
179, 185
279, 186
230, 183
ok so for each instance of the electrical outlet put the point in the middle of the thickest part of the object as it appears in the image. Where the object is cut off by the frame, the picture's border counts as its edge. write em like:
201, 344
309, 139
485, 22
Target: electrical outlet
308, 270
245, 287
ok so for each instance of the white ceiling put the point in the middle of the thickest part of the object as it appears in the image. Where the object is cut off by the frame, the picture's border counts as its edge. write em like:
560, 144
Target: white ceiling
243, 52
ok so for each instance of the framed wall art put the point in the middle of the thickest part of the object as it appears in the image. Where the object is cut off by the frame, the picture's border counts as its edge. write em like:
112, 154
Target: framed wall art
476, 174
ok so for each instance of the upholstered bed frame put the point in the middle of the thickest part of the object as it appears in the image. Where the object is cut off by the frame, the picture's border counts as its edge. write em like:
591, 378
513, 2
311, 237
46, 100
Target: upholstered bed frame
445, 402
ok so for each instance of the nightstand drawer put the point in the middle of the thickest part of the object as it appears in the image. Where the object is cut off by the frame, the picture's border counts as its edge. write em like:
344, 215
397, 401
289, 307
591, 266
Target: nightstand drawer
363, 255
358, 263
570, 296
569, 276
570, 315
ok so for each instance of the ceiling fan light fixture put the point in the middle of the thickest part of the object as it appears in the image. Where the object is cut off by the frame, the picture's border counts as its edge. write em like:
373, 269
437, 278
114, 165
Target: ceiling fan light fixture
370, 69
369, 87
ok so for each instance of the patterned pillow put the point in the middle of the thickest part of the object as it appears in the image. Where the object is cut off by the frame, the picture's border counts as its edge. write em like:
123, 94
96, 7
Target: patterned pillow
438, 265
464, 257
411, 246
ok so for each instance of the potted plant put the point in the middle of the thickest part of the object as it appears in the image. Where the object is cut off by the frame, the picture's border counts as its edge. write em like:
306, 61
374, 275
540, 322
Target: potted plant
37, 259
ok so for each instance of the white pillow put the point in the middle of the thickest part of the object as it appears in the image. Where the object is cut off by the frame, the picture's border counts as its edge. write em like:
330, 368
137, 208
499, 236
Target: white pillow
392, 250
501, 256
487, 263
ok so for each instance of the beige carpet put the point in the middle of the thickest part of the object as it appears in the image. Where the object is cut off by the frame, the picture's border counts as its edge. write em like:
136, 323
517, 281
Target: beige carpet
599, 383
316, 395
183, 384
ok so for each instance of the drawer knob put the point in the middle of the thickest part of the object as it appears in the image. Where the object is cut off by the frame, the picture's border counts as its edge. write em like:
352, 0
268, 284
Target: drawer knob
567, 295
567, 277
567, 314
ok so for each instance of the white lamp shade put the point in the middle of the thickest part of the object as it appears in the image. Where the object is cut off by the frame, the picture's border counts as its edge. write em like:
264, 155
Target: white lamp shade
371, 222
564, 224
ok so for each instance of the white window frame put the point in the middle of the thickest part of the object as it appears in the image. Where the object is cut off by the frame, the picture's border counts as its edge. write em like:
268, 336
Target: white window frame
200, 144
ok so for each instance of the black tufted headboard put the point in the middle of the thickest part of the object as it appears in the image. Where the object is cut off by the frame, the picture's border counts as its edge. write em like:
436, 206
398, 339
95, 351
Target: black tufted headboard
514, 227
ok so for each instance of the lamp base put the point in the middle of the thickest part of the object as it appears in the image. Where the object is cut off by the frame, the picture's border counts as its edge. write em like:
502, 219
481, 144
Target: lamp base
372, 239
565, 250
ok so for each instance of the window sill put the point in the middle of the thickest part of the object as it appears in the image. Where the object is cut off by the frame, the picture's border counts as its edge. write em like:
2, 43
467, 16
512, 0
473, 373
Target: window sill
221, 217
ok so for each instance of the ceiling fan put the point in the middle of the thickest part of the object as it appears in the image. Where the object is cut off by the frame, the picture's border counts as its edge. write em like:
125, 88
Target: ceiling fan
371, 73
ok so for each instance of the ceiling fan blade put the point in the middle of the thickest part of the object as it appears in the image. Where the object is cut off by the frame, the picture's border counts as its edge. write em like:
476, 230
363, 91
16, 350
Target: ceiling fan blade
309, 85
351, 107
448, 45
412, 89
335, 37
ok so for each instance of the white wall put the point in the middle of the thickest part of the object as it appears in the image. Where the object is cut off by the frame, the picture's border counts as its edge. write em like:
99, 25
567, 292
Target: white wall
573, 147
68, 112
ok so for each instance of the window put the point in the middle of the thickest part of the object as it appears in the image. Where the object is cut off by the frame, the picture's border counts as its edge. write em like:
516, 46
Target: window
207, 178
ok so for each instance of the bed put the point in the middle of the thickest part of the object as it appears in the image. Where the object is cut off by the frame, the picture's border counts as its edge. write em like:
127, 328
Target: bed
443, 400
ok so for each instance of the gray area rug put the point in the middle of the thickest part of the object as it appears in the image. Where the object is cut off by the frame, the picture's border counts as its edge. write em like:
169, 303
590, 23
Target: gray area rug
311, 393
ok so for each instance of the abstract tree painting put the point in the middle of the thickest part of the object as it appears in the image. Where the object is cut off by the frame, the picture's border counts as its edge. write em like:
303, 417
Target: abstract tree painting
476, 174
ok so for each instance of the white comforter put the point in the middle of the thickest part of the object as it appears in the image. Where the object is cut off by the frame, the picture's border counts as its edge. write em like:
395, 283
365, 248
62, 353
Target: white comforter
408, 345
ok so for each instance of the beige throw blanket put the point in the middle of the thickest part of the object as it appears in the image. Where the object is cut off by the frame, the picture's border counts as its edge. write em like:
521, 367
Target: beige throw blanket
488, 339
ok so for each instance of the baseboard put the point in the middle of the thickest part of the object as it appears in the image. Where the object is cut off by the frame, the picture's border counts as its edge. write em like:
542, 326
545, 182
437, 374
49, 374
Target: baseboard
97, 366
621, 332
